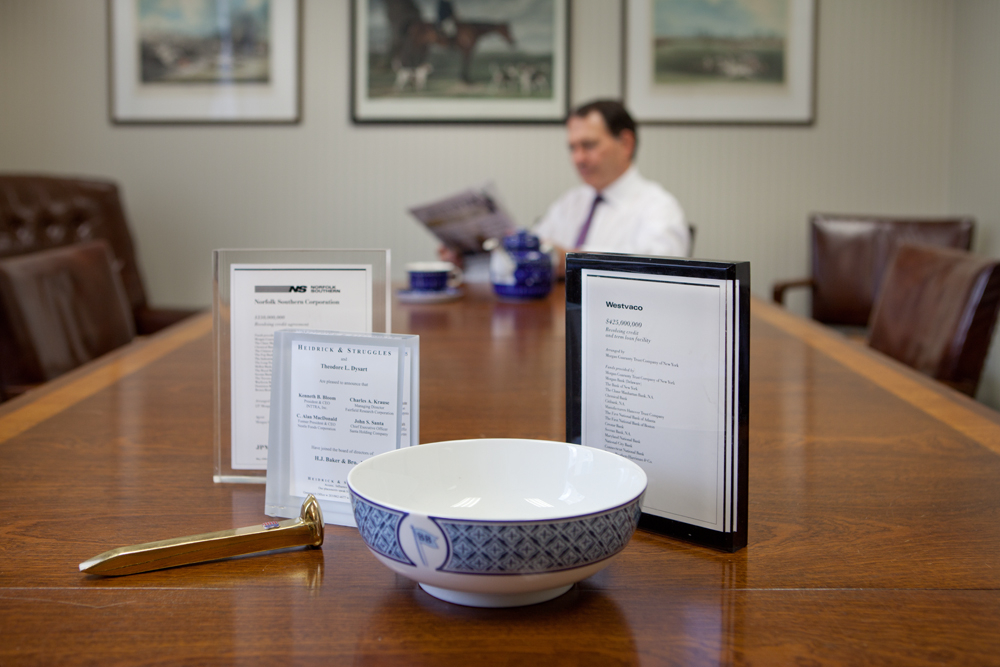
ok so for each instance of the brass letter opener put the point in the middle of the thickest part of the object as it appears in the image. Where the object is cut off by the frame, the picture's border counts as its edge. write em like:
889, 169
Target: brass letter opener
307, 530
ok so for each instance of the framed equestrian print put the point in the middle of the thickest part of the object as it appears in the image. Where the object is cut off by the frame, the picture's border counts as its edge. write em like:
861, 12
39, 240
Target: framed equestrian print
439, 61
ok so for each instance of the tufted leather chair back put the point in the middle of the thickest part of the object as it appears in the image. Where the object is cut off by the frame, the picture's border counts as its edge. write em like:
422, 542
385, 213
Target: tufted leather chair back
43, 212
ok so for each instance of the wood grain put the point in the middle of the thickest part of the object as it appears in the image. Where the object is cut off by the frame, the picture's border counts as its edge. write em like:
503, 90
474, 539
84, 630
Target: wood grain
962, 414
22, 415
872, 521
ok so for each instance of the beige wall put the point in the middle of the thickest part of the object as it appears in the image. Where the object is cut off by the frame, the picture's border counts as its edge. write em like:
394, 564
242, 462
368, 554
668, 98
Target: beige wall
888, 129
974, 177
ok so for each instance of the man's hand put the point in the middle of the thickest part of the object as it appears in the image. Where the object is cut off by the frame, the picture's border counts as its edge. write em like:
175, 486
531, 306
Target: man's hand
558, 262
447, 254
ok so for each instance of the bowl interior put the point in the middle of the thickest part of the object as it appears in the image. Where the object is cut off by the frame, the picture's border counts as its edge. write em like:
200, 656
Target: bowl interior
498, 479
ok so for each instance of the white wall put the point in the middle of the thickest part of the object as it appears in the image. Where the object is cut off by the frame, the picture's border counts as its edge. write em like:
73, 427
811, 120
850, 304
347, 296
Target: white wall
899, 100
975, 161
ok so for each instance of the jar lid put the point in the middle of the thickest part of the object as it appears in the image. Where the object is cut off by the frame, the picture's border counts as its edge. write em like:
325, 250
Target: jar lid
521, 240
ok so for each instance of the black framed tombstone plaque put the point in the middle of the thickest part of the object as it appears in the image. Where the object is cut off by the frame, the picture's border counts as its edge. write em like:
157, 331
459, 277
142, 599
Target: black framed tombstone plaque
657, 371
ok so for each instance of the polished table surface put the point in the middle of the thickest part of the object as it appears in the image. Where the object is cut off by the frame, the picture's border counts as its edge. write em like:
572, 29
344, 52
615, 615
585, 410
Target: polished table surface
874, 519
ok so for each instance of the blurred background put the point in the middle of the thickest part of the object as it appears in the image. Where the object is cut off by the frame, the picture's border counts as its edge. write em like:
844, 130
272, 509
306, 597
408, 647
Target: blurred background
907, 98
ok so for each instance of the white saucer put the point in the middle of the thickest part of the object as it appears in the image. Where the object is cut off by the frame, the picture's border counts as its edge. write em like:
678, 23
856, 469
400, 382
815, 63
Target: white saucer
411, 296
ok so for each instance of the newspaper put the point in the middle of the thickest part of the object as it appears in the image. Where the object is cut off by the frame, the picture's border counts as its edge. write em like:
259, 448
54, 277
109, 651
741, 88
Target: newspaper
465, 220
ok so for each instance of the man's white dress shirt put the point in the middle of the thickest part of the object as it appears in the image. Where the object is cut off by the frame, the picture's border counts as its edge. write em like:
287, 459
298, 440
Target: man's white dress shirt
636, 216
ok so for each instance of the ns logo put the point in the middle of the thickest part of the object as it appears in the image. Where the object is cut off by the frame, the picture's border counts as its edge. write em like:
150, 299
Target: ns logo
297, 288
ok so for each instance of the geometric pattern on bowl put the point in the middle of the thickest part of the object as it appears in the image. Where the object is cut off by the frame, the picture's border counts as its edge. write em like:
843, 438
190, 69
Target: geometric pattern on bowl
379, 528
498, 548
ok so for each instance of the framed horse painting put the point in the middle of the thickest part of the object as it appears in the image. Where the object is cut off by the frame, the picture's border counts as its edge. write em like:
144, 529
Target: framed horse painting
478, 61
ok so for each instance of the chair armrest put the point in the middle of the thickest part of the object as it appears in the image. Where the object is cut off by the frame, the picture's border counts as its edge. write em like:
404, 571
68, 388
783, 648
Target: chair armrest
778, 291
150, 320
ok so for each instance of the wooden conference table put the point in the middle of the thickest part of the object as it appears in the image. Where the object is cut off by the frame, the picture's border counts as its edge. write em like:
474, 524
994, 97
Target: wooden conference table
874, 517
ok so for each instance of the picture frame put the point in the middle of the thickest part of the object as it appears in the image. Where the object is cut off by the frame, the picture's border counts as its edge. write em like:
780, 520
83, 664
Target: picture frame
459, 62
204, 62
704, 62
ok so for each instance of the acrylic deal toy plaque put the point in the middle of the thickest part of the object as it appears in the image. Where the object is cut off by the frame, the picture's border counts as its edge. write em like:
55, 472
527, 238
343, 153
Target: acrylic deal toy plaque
336, 400
258, 292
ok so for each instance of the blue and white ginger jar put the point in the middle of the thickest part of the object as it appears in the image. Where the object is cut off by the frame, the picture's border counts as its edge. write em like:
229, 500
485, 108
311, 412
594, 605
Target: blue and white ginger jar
519, 269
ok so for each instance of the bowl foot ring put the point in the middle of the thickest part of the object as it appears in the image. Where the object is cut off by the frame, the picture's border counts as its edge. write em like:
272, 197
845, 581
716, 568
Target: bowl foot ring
495, 600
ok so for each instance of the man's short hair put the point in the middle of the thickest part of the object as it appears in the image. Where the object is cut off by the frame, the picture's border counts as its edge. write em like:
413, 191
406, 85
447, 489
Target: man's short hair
615, 116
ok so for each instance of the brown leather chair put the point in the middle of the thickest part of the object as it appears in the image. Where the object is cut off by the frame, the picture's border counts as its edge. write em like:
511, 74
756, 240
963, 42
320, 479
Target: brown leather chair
39, 213
42, 212
936, 312
850, 254
60, 308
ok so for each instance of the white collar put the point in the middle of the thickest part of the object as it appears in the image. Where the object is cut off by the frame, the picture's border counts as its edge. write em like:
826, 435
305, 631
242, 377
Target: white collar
621, 187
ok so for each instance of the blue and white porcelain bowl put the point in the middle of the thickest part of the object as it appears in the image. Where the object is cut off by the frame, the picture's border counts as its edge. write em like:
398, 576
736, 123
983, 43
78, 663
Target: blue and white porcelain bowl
496, 522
